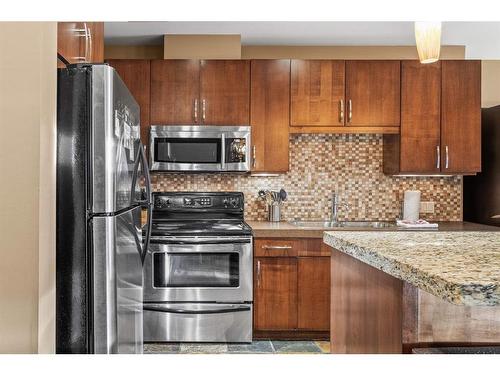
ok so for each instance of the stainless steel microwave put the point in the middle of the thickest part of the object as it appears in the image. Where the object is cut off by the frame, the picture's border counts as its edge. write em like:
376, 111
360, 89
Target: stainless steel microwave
200, 148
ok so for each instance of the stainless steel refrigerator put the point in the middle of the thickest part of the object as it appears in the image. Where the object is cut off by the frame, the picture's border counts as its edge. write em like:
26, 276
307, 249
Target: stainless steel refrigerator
482, 191
102, 186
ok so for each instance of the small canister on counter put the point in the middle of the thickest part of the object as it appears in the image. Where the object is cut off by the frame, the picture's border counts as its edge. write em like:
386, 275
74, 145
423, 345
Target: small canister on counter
274, 212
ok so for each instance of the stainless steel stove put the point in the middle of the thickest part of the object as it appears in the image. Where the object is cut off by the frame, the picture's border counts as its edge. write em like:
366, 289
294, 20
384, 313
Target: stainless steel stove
198, 271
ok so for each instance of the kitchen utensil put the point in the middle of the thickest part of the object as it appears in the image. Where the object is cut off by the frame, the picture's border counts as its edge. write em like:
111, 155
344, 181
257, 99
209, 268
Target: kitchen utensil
283, 195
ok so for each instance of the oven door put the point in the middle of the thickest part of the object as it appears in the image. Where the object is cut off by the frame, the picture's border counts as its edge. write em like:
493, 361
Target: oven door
199, 269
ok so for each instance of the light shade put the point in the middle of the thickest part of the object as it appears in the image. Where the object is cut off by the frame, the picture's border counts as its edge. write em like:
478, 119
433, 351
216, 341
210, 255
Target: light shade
428, 38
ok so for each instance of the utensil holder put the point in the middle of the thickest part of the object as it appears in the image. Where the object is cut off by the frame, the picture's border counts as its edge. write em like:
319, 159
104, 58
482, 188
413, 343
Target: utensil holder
274, 212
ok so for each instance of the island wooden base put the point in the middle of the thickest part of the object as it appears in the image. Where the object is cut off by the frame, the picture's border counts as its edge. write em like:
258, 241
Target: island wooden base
366, 308
373, 312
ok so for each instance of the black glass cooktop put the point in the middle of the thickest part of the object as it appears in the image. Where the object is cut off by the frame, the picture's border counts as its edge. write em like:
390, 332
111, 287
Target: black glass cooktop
201, 227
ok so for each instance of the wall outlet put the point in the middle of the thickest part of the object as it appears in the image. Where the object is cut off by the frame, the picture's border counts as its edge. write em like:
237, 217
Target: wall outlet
427, 207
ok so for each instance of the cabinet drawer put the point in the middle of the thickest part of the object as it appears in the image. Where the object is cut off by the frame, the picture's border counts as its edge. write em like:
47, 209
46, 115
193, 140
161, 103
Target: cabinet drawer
276, 248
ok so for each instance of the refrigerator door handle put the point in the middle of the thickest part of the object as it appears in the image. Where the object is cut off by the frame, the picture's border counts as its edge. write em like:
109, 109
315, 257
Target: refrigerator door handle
221, 310
147, 202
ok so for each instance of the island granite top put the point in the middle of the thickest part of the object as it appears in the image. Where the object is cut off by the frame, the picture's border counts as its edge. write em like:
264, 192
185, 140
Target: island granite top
460, 267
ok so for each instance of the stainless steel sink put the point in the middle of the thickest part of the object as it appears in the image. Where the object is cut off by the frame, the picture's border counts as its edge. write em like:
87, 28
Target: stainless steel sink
342, 224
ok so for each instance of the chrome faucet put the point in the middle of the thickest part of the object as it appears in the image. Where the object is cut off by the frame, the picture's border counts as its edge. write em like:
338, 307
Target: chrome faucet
335, 207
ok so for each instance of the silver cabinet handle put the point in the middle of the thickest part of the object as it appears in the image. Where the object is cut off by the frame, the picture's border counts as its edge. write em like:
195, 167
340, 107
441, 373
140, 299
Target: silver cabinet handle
195, 106
446, 163
349, 116
83, 33
268, 247
258, 273
438, 153
254, 156
89, 38
203, 109
341, 111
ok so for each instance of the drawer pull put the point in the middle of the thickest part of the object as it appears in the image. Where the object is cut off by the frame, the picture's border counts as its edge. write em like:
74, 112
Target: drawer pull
269, 247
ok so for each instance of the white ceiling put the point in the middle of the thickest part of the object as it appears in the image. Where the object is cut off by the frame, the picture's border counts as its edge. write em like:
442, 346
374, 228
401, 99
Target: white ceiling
481, 39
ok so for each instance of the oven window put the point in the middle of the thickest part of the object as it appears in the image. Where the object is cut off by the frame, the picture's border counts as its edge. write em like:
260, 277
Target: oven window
196, 270
187, 150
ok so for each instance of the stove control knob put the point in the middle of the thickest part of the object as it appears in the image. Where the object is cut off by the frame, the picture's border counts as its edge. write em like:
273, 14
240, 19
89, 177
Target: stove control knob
225, 201
188, 202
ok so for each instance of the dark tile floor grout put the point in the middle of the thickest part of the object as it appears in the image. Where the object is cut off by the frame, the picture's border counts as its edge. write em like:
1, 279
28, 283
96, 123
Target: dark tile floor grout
256, 347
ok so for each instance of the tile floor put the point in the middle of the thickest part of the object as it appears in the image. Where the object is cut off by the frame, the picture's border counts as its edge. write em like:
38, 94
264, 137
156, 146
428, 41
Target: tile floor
256, 347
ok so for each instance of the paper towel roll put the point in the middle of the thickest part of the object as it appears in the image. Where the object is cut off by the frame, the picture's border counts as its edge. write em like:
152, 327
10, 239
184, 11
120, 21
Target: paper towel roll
411, 207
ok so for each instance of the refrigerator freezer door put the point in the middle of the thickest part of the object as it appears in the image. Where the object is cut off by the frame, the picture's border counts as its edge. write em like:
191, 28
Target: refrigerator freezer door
117, 283
114, 139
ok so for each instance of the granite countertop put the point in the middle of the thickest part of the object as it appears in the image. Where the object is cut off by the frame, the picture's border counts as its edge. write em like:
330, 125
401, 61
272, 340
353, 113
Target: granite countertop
266, 229
460, 267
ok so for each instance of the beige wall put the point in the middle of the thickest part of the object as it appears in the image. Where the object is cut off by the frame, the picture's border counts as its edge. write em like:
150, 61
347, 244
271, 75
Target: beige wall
490, 83
202, 47
343, 52
133, 52
27, 166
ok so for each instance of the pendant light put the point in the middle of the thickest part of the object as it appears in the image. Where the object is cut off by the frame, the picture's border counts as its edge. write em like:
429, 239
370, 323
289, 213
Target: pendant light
428, 38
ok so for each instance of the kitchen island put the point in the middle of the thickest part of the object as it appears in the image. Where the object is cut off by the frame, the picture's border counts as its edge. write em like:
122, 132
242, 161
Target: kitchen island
391, 290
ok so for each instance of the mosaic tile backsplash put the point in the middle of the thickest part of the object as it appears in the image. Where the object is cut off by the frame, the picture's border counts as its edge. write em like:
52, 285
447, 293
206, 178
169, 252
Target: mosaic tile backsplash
350, 165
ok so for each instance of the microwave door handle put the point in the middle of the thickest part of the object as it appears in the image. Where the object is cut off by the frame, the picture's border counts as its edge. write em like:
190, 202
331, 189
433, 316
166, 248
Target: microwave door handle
187, 311
223, 152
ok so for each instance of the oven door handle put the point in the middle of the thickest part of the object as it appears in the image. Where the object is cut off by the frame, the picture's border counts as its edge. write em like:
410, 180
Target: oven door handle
186, 311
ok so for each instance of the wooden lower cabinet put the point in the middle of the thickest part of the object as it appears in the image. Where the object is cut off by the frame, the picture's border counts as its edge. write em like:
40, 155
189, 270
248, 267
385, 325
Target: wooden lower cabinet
275, 293
291, 291
313, 293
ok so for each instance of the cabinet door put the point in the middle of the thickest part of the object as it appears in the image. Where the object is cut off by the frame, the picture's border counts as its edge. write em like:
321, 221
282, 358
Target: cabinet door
275, 293
420, 117
71, 41
461, 116
175, 92
136, 75
317, 93
314, 293
80, 42
225, 92
269, 114
372, 93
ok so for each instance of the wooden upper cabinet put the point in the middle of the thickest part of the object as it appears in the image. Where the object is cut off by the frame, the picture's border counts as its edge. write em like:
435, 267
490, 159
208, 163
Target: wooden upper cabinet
372, 93
225, 92
269, 114
136, 75
175, 92
420, 117
71, 41
317, 93
79, 42
275, 293
461, 116
314, 293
